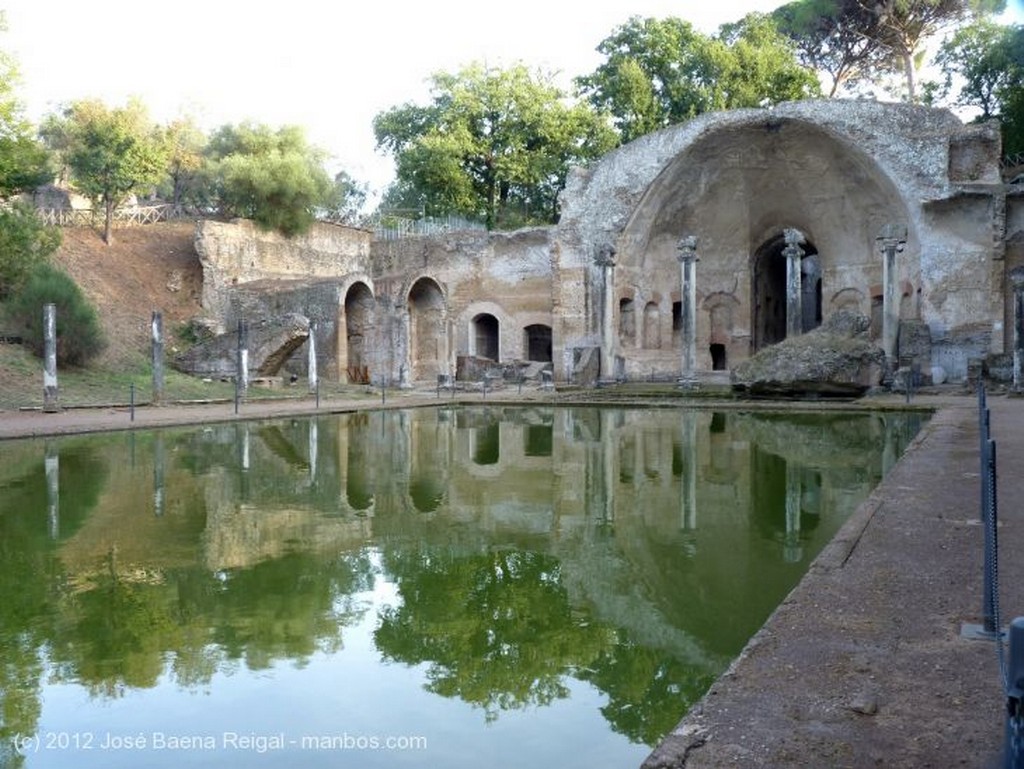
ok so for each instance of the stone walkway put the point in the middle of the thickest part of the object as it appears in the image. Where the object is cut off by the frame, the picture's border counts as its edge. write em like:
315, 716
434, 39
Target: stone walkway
864, 664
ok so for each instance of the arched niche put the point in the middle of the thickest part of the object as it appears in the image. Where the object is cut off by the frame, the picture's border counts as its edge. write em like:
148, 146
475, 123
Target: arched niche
428, 338
359, 317
768, 297
484, 335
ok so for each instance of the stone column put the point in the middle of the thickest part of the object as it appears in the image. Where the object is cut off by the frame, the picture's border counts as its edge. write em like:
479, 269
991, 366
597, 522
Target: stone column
50, 391
794, 290
1017, 281
890, 242
157, 328
311, 373
687, 248
605, 259
242, 369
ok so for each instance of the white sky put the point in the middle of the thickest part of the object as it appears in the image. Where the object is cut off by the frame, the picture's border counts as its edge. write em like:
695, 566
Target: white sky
326, 65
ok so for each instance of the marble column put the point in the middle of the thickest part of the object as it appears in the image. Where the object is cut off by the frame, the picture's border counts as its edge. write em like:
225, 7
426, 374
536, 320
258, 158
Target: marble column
605, 259
50, 398
1017, 281
311, 372
794, 289
687, 248
890, 242
157, 331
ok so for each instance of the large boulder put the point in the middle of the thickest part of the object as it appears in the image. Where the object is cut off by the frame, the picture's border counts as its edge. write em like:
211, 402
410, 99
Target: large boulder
834, 360
270, 342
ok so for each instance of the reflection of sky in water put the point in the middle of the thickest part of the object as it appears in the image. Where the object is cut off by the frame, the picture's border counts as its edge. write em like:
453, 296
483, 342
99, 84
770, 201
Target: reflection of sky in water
543, 587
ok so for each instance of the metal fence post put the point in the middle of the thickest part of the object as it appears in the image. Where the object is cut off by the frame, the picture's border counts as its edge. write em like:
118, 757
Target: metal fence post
990, 518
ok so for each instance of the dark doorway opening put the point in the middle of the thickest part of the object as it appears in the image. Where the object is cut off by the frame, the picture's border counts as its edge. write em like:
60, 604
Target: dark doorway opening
768, 303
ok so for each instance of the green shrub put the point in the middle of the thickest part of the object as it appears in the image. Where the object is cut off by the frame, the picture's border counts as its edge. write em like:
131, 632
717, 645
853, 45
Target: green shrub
24, 242
79, 336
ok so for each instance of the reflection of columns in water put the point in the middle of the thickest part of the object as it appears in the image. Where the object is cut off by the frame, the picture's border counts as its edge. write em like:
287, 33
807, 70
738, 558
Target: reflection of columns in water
688, 493
792, 551
243, 459
890, 453
314, 447
51, 464
158, 474
687, 248
794, 290
608, 475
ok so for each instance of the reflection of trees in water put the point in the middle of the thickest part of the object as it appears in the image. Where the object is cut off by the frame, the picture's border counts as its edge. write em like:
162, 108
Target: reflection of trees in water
498, 631
31, 577
496, 628
120, 630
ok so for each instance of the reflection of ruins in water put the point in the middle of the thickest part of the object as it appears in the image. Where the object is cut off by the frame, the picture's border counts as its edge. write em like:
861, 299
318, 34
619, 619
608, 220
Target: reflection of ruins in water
732, 491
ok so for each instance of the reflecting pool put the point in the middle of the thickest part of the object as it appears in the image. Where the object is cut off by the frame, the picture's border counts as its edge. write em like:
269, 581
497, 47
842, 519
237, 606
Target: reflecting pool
450, 587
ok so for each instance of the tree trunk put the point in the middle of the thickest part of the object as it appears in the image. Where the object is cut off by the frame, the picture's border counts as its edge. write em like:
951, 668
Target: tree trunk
910, 75
108, 223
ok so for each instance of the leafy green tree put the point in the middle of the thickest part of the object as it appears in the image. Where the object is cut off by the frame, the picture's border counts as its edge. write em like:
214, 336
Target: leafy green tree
111, 152
185, 145
79, 336
660, 72
904, 26
24, 242
24, 162
348, 197
829, 38
274, 177
985, 62
494, 144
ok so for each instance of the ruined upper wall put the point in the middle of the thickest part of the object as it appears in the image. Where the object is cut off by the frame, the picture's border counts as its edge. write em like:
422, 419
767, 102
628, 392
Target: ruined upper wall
910, 144
238, 252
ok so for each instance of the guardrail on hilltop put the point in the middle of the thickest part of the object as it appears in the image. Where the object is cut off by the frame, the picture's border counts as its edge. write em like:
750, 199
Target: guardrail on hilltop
126, 216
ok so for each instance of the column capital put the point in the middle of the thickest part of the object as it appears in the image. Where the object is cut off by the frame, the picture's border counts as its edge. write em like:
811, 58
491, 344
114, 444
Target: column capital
605, 256
687, 248
893, 237
794, 239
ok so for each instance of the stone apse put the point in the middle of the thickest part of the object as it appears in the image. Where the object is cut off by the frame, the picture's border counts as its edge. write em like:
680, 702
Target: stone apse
671, 256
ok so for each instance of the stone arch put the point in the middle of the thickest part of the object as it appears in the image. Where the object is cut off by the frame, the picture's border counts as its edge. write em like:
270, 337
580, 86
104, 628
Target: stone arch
358, 313
768, 293
428, 337
849, 300
651, 335
721, 308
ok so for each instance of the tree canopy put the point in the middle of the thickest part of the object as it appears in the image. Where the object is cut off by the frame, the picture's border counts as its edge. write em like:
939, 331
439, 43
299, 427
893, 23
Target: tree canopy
24, 162
272, 176
984, 63
662, 71
494, 144
111, 152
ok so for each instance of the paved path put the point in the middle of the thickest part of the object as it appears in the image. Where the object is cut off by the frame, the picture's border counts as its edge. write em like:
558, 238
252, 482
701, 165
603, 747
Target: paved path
864, 664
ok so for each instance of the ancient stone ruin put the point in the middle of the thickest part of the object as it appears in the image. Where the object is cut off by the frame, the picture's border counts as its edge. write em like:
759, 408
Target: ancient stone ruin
679, 255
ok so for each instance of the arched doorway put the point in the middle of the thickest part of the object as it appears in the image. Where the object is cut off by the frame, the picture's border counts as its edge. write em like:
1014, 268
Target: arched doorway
359, 305
768, 299
428, 347
485, 336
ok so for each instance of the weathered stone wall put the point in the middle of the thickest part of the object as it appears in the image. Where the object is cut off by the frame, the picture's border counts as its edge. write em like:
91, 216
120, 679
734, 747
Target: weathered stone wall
239, 252
839, 171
